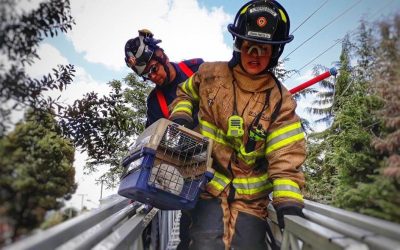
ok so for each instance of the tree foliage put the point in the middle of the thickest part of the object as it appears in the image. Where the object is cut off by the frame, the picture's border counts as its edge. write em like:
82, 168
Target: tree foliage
35, 159
20, 35
36, 173
57, 217
387, 86
350, 164
105, 126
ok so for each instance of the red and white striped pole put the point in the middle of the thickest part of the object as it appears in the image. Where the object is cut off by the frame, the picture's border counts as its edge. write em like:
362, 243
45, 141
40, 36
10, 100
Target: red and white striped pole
330, 72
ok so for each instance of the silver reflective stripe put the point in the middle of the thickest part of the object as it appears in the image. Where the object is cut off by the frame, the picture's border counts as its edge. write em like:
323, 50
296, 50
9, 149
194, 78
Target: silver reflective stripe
286, 188
207, 129
220, 181
250, 185
285, 135
140, 50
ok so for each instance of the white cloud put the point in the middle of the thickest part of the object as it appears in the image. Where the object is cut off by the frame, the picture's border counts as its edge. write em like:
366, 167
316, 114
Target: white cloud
50, 57
83, 83
187, 30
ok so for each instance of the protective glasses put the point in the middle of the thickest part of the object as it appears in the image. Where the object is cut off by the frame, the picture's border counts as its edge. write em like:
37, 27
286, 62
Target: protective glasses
153, 70
260, 49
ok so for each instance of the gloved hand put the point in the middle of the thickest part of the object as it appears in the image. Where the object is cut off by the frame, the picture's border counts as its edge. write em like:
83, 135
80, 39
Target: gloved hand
287, 210
183, 122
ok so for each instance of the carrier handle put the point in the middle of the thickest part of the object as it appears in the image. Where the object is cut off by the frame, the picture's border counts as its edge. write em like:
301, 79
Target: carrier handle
209, 174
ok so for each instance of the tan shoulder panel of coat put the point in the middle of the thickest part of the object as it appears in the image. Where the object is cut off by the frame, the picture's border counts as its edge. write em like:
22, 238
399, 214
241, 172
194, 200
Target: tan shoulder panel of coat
216, 69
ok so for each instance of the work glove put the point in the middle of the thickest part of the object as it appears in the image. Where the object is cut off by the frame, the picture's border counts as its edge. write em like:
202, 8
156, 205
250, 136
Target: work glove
287, 210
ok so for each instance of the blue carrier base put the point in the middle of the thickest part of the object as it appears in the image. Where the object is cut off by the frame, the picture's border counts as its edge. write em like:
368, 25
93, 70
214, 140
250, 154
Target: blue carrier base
135, 185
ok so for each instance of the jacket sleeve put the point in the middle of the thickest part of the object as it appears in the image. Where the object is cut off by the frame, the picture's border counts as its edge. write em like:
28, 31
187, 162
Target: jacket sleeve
187, 97
286, 152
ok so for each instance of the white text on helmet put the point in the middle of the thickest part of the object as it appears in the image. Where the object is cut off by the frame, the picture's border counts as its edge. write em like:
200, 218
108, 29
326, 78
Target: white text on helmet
259, 34
263, 8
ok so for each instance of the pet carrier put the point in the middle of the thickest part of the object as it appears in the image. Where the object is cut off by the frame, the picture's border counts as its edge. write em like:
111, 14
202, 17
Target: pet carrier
166, 167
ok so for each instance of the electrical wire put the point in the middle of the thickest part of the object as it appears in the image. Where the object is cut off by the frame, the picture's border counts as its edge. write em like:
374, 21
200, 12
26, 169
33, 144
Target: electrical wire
315, 58
330, 47
301, 24
336, 18
376, 12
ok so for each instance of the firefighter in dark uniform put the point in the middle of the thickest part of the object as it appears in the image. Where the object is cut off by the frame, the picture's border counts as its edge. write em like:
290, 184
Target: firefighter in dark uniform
148, 60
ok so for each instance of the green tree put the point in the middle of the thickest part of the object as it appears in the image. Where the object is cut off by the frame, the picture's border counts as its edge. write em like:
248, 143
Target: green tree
135, 96
376, 192
57, 217
381, 196
105, 126
321, 172
36, 172
387, 86
354, 164
322, 106
20, 35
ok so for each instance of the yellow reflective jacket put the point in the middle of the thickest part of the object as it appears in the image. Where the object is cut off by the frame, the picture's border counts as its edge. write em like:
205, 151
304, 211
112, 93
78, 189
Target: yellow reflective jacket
274, 165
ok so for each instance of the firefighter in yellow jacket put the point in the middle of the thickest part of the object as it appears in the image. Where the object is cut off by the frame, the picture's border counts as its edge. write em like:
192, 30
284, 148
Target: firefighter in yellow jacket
259, 142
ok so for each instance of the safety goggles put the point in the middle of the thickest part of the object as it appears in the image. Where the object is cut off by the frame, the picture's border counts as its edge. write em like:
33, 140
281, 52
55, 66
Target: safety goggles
262, 50
153, 70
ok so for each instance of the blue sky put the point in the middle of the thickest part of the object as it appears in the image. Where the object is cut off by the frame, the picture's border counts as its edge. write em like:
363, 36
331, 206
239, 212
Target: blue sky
188, 28
298, 12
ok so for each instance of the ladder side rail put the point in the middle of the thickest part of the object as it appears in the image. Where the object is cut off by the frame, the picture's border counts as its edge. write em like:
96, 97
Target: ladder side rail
163, 229
57, 235
315, 236
126, 235
96, 233
378, 226
370, 238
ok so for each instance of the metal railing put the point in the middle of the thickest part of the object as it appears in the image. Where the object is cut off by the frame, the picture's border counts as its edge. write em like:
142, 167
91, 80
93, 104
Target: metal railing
119, 225
116, 225
326, 227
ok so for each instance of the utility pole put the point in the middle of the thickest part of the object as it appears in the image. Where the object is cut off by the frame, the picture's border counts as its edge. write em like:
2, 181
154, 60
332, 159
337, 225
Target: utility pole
82, 197
101, 180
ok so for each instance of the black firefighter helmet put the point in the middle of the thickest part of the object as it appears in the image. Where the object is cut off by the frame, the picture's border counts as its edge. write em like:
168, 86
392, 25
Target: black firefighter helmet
261, 21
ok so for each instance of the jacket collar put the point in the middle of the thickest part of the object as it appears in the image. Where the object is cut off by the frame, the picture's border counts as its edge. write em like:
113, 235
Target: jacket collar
252, 83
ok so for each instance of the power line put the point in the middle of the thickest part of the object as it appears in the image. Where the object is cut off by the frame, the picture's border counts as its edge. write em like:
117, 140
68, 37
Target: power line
315, 58
330, 47
376, 12
309, 17
344, 12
